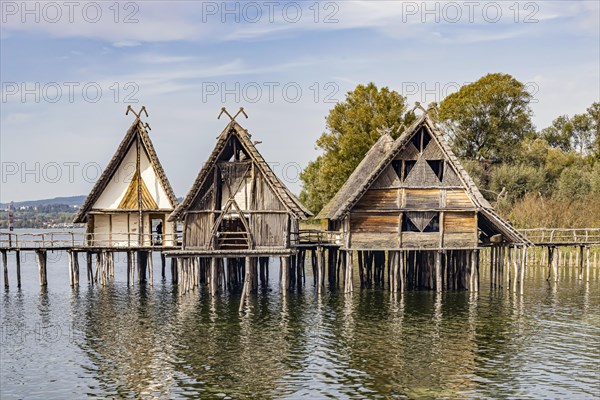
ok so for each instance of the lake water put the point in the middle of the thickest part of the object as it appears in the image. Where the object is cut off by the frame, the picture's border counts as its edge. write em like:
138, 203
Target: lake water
147, 342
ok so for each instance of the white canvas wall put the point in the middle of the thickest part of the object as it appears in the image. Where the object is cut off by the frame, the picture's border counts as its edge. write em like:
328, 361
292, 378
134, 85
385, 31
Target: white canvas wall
116, 189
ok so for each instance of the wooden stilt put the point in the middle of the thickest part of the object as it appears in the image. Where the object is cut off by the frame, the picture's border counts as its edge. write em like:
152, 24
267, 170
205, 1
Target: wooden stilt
587, 264
555, 265
476, 270
213, 276
129, 267
41, 260
492, 264
348, 285
522, 270
150, 268
438, 271
174, 270
70, 255
89, 268
516, 260
76, 268
5, 266
320, 270
283, 273
163, 263
246, 287
550, 261
581, 261
18, 260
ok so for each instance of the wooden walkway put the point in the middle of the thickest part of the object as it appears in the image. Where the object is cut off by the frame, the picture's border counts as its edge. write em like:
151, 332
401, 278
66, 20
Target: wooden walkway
554, 247
305, 238
546, 237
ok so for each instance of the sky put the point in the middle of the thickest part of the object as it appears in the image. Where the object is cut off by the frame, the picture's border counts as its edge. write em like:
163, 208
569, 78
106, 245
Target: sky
69, 70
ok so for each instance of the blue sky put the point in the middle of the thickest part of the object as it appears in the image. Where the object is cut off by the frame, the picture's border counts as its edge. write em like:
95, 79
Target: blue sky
186, 60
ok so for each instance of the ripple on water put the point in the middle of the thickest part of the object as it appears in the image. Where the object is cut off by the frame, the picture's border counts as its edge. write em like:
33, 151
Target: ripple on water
125, 342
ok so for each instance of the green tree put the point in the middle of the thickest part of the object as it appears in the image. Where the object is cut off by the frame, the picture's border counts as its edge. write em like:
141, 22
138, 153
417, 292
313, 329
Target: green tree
559, 134
487, 119
575, 183
583, 134
594, 112
515, 181
351, 129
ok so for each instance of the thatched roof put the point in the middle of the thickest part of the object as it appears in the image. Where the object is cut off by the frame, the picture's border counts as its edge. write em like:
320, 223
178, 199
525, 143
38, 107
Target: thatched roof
382, 154
136, 131
291, 203
364, 169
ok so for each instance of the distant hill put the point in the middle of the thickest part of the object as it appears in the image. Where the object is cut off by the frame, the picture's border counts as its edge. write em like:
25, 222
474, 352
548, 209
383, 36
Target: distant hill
70, 201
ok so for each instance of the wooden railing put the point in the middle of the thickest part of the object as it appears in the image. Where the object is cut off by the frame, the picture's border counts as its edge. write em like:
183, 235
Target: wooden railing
562, 236
69, 239
315, 236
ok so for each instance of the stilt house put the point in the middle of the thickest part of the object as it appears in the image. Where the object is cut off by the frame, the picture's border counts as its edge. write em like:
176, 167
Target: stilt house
237, 202
412, 195
131, 197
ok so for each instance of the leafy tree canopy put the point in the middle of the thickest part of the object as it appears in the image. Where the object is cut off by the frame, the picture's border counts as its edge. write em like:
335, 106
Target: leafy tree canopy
487, 119
351, 130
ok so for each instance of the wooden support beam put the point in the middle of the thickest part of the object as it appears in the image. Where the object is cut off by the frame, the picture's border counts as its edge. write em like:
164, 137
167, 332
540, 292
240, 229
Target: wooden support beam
213, 276
76, 268
150, 268
129, 266
70, 255
476, 255
283, 274
587, 264
522, 270
320, 269
438, 271
555, 265
550, 262
581, 261
246, 287
516, 261
5, 267
348, 284
90, 276
18, 260
41, 256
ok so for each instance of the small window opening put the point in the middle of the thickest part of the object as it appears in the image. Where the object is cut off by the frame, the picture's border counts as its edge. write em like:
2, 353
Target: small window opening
434, 224
408, 225
408, 166
438, 168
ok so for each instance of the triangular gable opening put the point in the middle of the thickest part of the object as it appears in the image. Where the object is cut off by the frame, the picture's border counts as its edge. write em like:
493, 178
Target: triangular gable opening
420, 221
421, 139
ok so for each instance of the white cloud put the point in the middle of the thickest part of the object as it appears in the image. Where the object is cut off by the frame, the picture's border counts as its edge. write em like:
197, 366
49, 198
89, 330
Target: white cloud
126, 43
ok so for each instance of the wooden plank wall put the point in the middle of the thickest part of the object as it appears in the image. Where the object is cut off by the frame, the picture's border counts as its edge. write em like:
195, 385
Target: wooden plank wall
375, 221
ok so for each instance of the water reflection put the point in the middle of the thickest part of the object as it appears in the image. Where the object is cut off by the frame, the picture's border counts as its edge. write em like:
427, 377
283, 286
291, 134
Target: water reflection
149, 342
